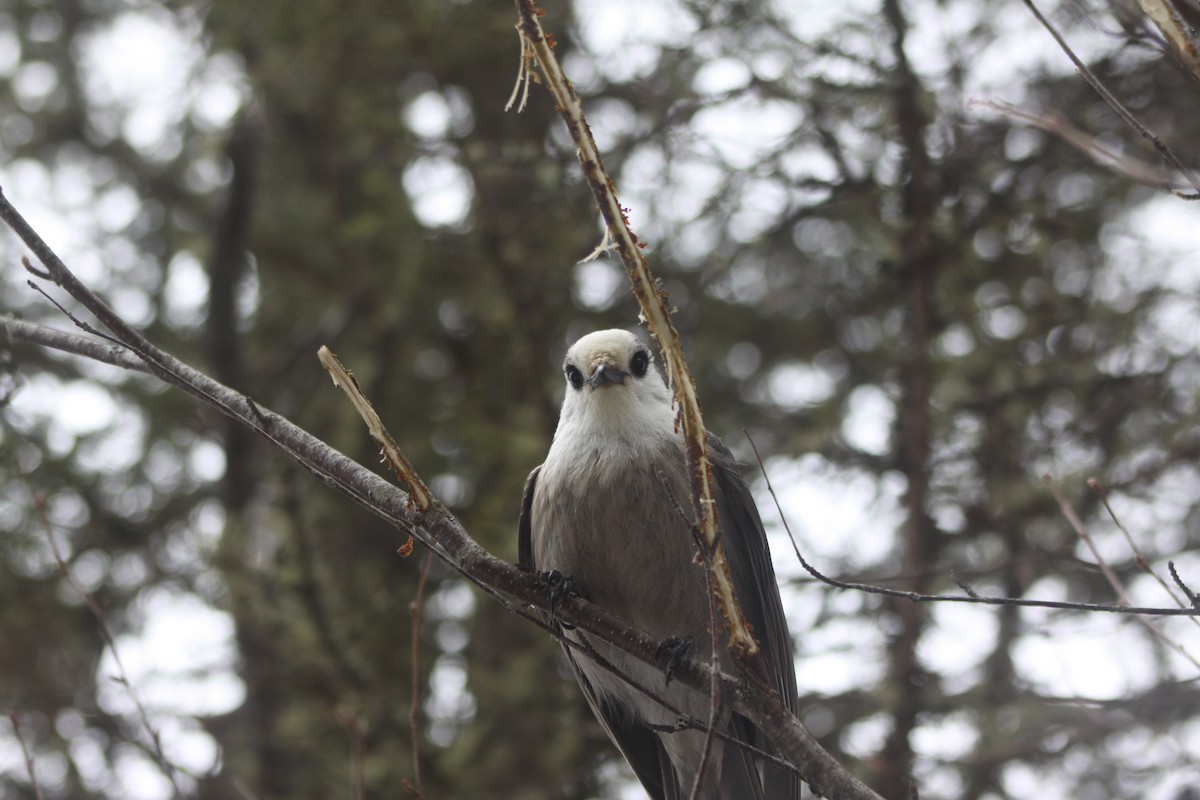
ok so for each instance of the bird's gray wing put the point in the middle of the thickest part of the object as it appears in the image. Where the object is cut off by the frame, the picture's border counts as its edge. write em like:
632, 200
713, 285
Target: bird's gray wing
638, 744
525, 522
745, 545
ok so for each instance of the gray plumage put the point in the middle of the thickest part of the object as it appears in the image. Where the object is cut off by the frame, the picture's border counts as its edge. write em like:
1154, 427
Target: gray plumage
602, 509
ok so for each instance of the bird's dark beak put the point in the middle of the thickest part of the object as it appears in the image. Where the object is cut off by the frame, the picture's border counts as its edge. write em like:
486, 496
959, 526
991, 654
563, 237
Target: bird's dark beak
606, 374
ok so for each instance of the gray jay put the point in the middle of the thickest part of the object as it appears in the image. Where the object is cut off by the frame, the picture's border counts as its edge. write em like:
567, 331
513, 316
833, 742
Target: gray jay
603, 510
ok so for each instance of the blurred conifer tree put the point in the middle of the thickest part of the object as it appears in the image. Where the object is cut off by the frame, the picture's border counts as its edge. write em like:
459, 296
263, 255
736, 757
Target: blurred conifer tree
849, 249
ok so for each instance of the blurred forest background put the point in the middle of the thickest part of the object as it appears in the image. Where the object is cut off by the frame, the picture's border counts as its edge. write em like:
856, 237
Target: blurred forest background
915, 308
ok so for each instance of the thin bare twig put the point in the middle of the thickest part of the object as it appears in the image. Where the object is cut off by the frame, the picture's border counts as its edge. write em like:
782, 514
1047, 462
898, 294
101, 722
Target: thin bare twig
83, 326
1056, 124
653, 302
683, 721
1118, 588
57, 272
714, 704
29, 766
1192, 597
969, 597
980, 572
714, 697
169, 770
414, 714
1138, 558
1117, 106
1086, 537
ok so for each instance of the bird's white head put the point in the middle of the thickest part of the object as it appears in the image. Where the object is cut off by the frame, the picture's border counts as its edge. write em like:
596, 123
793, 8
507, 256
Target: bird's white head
614, 390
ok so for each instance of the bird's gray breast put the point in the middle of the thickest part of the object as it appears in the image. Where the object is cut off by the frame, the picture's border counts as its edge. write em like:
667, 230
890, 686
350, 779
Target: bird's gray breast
617, 524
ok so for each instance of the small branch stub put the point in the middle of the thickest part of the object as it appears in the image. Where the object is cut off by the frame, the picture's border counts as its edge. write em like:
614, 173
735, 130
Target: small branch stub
418, 492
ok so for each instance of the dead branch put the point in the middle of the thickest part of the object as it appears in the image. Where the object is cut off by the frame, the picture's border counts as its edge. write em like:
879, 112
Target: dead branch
1116, 105
418, 492
1183, 587
1138, 558
653, 301
1118, 588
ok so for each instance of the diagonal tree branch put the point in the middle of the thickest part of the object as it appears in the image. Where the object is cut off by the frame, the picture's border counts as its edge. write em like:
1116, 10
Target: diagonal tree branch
104, 352
1118, 588
434, 527
653, 301
1117, 106
418, 492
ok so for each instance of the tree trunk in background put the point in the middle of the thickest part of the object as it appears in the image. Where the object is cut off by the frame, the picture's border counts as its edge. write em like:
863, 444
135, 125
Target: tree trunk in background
919, 542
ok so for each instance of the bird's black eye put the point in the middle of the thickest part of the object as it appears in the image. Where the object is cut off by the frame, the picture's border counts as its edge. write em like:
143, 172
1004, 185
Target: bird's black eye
574, 375
639, 363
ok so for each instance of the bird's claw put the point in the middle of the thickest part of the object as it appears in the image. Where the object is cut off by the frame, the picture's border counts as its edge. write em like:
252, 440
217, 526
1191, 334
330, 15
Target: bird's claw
681, 648
561, 587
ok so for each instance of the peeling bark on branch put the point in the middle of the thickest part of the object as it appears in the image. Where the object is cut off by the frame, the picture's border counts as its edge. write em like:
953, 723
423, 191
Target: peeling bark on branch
653, 302
418, 492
